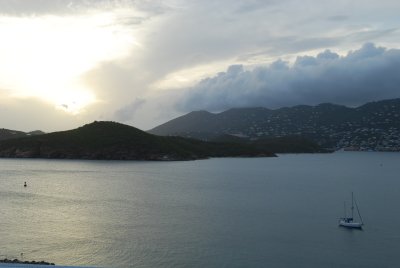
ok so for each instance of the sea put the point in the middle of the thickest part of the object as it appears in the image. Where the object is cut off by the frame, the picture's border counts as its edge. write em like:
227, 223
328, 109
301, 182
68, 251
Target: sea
222, 212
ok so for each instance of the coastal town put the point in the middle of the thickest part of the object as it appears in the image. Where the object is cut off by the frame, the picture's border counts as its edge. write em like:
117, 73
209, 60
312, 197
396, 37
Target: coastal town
374, 126
376, 131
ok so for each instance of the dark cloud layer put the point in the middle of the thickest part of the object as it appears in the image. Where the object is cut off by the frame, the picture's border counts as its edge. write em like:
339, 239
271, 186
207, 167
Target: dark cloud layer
368, 74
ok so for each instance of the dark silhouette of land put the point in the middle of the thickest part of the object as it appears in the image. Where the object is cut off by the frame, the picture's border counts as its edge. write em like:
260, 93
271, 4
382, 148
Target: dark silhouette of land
115, 141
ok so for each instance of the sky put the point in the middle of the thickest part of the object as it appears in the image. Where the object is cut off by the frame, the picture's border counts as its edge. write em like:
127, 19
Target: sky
66, 63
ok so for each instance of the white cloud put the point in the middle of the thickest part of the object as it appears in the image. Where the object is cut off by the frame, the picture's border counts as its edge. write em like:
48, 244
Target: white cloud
127, 112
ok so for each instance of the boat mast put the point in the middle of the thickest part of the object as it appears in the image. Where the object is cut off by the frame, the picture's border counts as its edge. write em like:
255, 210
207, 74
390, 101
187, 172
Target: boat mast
352, 206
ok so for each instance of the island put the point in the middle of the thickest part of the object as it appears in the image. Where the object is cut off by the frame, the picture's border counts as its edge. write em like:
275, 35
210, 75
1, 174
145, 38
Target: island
105, 140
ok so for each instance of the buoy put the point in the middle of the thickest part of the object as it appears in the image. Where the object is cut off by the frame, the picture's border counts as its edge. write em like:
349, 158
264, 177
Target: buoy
25, 184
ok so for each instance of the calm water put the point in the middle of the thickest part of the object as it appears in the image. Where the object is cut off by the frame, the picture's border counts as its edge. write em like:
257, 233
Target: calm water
264, 212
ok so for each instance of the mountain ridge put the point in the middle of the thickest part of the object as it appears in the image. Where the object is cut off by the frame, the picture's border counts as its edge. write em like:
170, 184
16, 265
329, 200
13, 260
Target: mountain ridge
10, 134
371, 126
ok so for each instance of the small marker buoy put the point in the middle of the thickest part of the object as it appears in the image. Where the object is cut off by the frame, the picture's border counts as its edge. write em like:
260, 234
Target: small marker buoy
25, 184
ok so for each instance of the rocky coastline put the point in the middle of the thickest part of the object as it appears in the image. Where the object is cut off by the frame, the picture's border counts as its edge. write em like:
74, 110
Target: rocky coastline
16, 261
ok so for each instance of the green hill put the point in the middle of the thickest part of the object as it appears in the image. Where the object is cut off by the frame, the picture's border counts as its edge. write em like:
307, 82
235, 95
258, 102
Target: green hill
288, 144
114, 141
373, 126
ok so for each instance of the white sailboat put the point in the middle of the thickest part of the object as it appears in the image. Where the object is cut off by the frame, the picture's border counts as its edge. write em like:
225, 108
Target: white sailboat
349, 222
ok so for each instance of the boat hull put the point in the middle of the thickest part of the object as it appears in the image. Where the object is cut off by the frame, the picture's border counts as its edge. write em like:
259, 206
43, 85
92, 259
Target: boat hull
356, 225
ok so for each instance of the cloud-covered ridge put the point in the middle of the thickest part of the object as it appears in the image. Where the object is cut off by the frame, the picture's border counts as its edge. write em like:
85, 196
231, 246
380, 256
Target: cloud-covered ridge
368, 74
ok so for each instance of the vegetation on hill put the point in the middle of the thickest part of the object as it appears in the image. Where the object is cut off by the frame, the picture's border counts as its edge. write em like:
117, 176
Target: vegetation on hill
12, 134
114, 141
373, 126
287, 144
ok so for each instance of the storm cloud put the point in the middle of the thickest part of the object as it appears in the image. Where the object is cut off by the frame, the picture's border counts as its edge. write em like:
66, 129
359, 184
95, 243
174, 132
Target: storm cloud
368, 74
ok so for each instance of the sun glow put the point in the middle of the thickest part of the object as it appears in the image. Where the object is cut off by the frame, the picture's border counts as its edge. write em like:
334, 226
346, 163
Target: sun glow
45, 57
190, 76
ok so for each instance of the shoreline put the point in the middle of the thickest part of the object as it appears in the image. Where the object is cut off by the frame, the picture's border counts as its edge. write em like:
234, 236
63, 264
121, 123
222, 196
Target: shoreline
17, 261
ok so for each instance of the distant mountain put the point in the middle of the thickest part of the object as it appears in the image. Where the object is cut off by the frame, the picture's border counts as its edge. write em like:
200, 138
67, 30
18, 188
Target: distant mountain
373, 126
11, 134
114, 141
